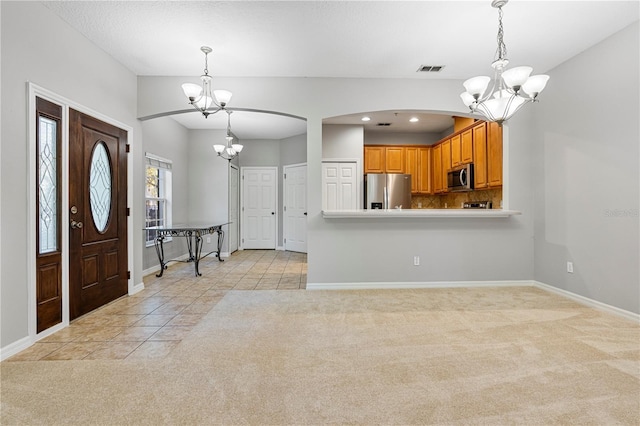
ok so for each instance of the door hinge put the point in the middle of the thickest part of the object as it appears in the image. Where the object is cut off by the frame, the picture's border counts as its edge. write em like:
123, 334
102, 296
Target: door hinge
128, 275
285, 175
243, 241
127, 148
285, 240
128, 211
285, 208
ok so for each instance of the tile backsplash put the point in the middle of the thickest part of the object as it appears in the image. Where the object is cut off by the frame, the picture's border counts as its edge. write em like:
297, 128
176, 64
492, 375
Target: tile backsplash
455, 200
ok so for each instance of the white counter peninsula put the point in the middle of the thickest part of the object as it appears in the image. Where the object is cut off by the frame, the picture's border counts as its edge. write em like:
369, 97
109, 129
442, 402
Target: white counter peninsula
417, 213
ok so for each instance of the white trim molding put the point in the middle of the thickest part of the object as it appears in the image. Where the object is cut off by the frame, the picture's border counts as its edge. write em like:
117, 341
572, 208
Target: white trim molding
589, 302
407, 285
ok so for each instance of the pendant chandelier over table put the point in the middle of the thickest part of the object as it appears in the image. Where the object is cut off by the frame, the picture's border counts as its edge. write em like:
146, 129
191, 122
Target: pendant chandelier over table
208, 101
511, 88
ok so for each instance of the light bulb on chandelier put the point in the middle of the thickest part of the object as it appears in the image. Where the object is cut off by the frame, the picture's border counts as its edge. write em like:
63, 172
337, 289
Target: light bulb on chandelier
511, 89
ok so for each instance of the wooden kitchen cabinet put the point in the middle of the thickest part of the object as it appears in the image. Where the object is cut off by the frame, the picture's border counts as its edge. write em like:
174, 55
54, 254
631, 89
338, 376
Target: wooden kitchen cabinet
394, 159
374, 157
494, 155
446, 163
424, 171
480, 156
456, 150
412, 166
466, 147
436, 160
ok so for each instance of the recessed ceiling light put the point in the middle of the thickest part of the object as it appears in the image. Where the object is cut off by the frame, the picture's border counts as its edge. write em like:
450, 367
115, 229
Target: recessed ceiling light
365, 118
414, 119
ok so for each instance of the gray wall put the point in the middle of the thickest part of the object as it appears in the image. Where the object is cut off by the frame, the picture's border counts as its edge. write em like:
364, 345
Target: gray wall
586, 179
370, 251
208, 184
167, 138
39, 47
342, 141
387, 138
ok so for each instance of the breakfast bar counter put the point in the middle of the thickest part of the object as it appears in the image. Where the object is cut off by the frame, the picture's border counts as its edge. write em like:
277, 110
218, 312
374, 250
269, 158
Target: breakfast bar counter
418, 213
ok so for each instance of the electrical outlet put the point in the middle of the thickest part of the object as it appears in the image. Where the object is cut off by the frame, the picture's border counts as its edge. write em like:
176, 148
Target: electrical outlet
416, 260
570, 267
208, 240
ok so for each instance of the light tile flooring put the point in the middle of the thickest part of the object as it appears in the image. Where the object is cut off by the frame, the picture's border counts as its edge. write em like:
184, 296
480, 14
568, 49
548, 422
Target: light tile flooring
151, 323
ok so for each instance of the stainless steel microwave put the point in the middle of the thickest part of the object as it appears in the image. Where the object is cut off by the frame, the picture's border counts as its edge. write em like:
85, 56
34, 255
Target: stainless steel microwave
460, 178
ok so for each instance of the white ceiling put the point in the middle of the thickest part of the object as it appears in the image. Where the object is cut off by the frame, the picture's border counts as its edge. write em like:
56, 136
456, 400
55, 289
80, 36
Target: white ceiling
384, 39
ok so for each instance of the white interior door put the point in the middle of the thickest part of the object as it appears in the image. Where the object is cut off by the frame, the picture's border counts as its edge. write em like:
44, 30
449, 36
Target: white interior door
339, 186
234, 207
259, 207
295, 208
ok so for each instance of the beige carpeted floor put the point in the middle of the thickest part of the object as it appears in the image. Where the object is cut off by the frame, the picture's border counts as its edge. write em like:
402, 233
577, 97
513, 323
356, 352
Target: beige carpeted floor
438, 356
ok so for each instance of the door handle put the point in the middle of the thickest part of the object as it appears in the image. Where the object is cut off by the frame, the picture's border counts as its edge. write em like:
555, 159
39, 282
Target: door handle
305, 213
76, 225
273, 212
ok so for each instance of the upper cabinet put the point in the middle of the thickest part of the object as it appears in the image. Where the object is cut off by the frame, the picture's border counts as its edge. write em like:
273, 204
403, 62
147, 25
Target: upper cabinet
456, 150
466, 147
480, 156
374, 157
414, 160
394, 159
494, 155
436, 160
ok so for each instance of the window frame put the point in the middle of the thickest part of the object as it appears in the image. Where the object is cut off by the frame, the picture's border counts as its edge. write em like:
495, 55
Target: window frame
163, 169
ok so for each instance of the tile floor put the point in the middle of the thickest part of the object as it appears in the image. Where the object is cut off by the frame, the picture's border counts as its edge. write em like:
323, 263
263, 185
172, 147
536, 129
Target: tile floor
151, 323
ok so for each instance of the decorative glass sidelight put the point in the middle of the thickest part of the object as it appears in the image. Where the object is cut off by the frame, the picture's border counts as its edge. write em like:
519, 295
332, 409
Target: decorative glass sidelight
47, 185
100, 186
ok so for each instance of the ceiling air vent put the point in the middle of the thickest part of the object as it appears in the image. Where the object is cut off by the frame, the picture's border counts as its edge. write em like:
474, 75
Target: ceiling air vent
384, 124
430, 68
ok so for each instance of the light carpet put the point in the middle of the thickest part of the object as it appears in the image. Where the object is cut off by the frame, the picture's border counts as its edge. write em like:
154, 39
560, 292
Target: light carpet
431, 356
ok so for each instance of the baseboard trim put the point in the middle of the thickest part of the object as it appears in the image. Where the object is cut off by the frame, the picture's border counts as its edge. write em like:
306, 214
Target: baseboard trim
15, 347
136, 289
589, 302
407, 285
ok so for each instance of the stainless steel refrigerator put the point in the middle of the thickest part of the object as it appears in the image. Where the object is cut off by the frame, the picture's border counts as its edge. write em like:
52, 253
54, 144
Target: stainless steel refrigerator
387, 191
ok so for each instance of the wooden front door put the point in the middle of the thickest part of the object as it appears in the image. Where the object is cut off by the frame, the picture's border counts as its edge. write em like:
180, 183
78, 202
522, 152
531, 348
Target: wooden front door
97, 213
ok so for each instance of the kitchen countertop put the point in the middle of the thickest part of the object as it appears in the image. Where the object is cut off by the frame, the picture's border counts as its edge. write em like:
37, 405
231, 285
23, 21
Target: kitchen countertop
418, 213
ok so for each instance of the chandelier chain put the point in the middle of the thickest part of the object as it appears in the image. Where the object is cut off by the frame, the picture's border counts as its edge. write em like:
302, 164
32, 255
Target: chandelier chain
501, 51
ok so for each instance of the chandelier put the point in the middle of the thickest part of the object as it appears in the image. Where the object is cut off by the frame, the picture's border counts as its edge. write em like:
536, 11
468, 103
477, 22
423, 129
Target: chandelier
511, 88
231, 150
208, 102
204, 98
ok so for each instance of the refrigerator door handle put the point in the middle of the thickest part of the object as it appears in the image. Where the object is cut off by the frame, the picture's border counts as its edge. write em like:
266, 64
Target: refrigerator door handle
385, 198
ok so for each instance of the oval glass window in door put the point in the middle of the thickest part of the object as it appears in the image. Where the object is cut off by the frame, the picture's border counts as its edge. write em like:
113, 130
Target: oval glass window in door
100, 186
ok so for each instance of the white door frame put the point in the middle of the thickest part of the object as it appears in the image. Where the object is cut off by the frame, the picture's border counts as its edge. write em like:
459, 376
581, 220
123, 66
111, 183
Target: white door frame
284, 201
235, 169
33, 92
277, 207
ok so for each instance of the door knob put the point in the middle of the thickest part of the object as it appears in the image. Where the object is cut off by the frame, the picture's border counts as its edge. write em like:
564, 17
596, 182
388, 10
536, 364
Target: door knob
273, 212
305, 213
76, 225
